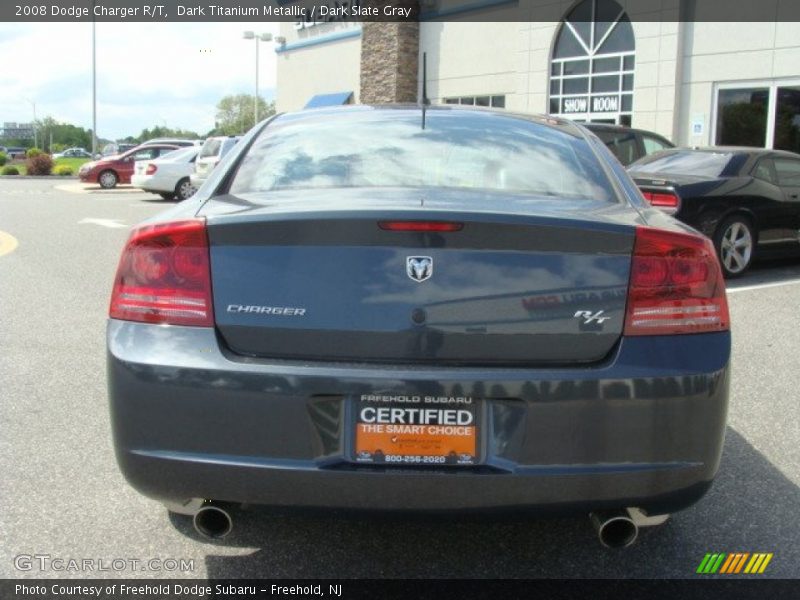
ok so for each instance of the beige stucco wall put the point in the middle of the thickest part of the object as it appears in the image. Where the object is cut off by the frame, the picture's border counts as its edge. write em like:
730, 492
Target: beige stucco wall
721, 53
319, 69
469, 59
678, 65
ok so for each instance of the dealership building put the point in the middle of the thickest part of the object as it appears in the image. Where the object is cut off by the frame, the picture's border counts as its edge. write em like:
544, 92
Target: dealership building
660, 65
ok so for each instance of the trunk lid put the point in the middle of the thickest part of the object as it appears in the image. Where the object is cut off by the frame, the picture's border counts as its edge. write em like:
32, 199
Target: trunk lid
300, 277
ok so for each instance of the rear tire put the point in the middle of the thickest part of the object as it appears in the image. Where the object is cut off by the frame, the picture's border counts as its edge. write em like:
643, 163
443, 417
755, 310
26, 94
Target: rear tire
166, 195
107, 180
184, 189
735, 242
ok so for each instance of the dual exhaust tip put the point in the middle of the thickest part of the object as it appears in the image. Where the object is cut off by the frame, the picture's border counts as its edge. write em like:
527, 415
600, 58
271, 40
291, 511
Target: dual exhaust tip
213, 521
615, 528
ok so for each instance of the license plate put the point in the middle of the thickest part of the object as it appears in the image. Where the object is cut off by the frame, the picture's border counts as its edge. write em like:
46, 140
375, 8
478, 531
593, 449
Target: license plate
416, 430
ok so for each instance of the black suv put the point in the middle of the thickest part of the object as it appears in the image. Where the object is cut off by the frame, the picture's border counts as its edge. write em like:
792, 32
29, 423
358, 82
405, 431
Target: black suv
627, 144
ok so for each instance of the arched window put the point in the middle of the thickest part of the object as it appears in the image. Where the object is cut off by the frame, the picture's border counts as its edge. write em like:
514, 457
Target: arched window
591, 70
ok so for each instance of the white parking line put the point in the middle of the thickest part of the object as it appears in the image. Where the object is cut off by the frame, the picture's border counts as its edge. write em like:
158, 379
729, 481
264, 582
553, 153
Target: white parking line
760, 286
8, 243
110, 223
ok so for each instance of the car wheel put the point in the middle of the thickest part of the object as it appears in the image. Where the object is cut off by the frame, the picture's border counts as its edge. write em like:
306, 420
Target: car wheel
166, 195
107, 179
735, 241
184, 189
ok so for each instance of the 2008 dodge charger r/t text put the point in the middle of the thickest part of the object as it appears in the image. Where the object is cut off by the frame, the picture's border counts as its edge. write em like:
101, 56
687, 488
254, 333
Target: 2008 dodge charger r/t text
448, 310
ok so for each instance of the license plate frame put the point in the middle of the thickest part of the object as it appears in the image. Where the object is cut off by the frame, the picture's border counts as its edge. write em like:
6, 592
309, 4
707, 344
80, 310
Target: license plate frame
412, 443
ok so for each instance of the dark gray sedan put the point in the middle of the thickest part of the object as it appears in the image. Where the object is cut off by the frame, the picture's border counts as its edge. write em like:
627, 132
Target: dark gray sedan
372, 308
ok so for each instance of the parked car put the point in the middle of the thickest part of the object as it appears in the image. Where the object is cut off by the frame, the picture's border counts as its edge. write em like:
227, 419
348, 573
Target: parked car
628, 144
745, 199
114, 148
16, 152
73, 153
118, 168
167, 176
175, 141
356, 311
214, 148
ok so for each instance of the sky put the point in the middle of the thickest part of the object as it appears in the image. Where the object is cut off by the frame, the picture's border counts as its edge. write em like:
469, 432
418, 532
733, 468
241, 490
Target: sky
147, 73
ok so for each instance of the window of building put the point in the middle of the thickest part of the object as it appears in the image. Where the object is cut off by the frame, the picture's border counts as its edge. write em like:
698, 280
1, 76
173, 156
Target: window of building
591, 70
764, 114
491, 101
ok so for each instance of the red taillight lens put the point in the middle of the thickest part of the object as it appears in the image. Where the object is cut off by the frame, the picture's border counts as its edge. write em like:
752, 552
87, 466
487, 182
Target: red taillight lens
676, 285
420, 226
164, 276
665, 200
151, 168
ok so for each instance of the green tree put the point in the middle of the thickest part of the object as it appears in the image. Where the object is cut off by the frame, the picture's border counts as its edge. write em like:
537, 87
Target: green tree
235, 114
63, 134
163, 132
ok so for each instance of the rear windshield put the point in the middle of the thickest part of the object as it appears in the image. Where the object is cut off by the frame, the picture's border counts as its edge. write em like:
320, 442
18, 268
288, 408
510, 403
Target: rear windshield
686, 162
621, 143
180, 155
389, 148
210, 148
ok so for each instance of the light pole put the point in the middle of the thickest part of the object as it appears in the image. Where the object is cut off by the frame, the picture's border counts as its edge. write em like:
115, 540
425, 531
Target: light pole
263, 37
94, 87
35, 137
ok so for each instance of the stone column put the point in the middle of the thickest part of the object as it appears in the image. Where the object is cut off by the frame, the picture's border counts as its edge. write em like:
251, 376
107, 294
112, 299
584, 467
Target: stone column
390, 59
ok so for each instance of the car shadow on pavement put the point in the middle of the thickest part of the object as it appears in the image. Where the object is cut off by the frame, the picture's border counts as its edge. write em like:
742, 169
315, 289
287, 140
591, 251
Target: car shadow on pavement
159, 200
768, 271
752, 507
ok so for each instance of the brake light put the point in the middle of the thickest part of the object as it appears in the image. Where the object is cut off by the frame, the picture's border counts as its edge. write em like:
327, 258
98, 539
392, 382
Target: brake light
420, 226
164, 276
676, 285
668, 201
151, 168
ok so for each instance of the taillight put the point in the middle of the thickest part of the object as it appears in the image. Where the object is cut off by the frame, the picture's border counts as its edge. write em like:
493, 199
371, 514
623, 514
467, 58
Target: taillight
151, 168
420, 226
676, 285
669, 202
164, 276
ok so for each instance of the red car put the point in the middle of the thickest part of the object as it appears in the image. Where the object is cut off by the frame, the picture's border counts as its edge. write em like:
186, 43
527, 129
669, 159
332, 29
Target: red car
118, 168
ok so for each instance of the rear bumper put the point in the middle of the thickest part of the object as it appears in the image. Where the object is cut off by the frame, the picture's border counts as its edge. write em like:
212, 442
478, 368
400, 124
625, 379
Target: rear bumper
644, 429
153, 183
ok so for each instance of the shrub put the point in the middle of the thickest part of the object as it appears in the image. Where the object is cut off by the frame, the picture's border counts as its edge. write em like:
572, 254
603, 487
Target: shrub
40, 164
58, 148
3, 158
63, 170
9, 170
33, 152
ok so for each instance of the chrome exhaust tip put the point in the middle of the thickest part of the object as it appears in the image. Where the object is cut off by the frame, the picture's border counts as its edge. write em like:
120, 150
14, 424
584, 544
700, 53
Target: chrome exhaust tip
615, 528
212, 521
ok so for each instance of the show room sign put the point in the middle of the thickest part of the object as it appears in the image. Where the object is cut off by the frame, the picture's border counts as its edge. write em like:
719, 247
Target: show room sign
586, 104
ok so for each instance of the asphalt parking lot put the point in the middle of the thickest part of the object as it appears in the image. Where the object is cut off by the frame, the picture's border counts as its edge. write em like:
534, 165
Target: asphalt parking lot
62, 495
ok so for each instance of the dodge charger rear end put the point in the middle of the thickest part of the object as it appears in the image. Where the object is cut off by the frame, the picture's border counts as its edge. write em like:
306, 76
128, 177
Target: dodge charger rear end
372, 308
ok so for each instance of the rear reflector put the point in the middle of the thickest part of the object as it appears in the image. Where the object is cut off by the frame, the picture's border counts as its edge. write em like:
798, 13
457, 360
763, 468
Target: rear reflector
164, 276
676, 285
420, 226
667, 201
151, 168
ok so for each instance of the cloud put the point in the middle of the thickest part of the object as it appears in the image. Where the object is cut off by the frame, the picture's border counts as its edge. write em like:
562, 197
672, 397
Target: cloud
147, 74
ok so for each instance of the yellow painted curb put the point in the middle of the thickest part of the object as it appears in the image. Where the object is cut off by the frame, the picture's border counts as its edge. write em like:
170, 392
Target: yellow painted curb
8, 243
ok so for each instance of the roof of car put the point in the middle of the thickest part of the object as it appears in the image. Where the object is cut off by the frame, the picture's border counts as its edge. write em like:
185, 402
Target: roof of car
750, 150
548, 120
620, 128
